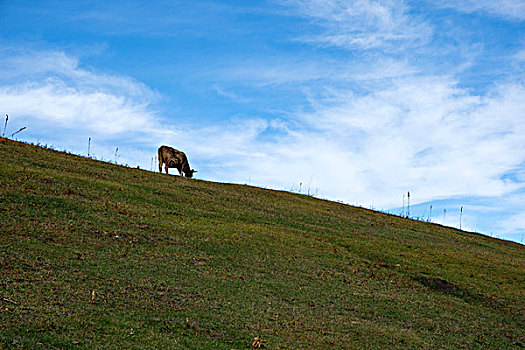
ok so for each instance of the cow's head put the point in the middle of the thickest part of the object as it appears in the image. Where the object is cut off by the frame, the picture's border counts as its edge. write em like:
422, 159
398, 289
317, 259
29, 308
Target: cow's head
189, 173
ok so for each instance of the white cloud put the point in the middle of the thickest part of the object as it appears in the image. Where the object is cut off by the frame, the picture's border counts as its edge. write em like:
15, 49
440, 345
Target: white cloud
52, 87
65, 104
54, 102
231, 95
362, 24
296, 70
510, 9
19, 66
424, 135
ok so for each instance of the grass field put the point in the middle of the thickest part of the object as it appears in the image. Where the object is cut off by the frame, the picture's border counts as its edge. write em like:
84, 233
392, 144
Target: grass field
95, 255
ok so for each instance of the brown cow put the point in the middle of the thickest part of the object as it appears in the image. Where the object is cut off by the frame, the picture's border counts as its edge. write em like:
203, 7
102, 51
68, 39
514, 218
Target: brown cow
172, 158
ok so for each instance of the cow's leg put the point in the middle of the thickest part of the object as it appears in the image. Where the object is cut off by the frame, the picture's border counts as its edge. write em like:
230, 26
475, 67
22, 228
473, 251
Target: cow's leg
161, 159
183, 166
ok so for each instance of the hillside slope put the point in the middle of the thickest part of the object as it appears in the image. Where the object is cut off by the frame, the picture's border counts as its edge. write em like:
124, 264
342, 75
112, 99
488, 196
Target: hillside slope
95, 255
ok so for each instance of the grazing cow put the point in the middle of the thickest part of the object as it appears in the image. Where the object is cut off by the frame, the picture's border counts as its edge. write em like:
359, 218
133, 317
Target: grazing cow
172, 158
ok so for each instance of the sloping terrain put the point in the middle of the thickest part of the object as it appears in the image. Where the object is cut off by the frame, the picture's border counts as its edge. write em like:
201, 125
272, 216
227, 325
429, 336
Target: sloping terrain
95, 255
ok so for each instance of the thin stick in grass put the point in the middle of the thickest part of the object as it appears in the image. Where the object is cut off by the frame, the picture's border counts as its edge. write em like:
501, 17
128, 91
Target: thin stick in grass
19, 130
5, 125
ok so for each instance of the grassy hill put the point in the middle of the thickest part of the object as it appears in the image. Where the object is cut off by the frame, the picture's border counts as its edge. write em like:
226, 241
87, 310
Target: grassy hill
95, 255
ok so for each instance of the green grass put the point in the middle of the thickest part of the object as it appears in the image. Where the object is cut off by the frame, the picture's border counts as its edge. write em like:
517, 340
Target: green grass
190, 264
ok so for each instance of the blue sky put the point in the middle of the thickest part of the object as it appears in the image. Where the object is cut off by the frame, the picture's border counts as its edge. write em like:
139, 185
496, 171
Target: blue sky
358, 101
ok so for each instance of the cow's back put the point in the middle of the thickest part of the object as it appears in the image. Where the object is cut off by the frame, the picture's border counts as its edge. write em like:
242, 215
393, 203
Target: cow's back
167, 153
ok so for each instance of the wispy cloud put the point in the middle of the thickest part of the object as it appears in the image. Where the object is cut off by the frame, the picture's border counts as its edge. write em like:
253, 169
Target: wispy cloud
231, 95
56, 103
19, 66
362, 24
302, 71
60, 101
424, 135
509, 9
